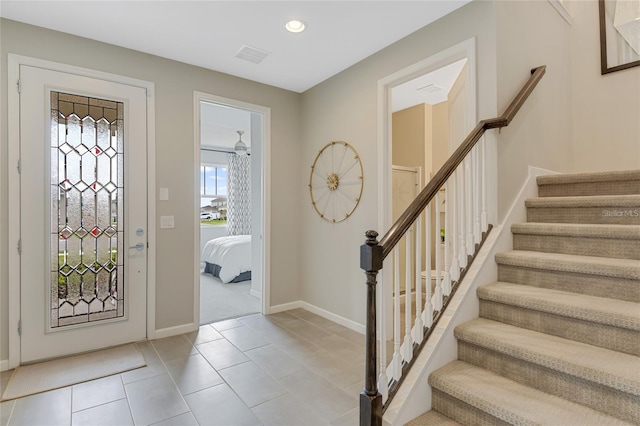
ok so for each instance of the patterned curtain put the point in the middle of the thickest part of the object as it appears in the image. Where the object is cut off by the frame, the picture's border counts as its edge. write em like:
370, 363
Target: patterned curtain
239, 195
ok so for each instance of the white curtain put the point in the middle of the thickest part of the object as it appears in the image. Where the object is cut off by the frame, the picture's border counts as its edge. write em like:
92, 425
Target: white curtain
239, 195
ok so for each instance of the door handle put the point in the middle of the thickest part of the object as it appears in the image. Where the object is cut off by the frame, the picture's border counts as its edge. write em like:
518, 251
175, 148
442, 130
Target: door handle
139, 246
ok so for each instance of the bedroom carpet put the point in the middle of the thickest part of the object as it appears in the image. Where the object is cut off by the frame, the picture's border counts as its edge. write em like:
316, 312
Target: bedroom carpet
219, 301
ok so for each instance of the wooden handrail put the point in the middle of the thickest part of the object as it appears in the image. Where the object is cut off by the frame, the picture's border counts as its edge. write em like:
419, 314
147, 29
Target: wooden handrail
404, 222
373, 253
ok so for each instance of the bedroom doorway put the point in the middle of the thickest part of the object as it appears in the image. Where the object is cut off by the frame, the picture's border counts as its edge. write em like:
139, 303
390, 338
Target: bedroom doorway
231, 144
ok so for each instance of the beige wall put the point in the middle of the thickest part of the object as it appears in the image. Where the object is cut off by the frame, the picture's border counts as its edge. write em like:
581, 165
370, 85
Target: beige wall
174, 85
411, 136
532, 33
606, 108
440, 135
345, 107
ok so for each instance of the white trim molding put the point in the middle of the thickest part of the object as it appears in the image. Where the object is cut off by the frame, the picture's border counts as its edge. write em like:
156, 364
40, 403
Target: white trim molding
174, 331
265, 195
338, 319
558, 5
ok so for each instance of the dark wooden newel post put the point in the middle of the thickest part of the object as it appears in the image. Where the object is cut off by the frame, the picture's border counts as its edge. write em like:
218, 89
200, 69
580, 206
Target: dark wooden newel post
371, 258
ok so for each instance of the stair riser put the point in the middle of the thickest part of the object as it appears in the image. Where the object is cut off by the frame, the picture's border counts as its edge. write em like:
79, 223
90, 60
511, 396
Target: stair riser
604, 399
589, 188
606, 336
594, 285
598, 215
584, 246
462, 412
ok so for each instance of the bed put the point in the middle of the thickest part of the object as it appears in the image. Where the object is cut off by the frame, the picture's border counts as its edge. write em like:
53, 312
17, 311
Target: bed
228, 258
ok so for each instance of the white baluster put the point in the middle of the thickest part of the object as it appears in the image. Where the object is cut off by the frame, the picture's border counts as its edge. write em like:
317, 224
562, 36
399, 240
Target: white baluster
427, 315
469, 207
477, 234
383, 379
483, 217
437, 295
397, 358
446, 285
452, 198
407, 344
462, 254
418, 332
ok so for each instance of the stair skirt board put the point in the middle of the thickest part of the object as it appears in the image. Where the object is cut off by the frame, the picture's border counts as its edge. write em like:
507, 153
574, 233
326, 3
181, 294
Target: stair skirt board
558, 338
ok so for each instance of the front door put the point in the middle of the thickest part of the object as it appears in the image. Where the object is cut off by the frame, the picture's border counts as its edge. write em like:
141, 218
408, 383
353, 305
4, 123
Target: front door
83, 213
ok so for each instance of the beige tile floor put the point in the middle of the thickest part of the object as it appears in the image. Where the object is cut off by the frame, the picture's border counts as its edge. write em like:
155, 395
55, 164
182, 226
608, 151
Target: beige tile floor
292, 368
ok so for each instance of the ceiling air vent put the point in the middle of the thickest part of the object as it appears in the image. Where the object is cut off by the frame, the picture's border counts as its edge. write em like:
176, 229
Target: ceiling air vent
430, 88
252, 54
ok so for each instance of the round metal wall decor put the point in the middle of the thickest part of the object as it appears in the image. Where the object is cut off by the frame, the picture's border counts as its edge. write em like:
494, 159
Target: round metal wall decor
336, 181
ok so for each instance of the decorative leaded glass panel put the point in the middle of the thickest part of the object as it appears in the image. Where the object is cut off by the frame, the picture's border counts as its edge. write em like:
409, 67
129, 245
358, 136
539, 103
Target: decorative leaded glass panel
87, 180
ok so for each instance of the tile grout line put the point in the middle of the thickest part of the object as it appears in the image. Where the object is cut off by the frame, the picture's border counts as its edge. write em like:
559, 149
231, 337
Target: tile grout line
170, 378
218, 372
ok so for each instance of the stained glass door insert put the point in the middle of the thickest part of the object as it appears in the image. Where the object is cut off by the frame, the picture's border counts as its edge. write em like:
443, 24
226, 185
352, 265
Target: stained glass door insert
87, 193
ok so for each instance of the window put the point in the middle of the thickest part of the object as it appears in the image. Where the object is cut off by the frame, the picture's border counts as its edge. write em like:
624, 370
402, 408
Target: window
213, 180
213, 192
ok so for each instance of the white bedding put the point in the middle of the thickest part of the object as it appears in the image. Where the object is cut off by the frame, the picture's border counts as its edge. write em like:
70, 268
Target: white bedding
232, 254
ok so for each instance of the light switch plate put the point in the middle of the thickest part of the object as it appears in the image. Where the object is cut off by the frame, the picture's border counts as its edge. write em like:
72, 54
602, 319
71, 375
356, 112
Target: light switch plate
164, 194
166, 222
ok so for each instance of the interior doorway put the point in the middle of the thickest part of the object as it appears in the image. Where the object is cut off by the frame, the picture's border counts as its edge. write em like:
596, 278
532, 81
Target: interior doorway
409, 90
230, 145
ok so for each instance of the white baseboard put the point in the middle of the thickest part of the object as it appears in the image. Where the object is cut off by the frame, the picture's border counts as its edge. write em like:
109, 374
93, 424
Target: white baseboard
255, 293
172, 331
4, 364
346, 322
338, 319
285, 307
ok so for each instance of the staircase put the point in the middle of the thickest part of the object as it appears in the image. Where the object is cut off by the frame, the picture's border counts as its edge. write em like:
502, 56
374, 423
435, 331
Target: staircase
558, 338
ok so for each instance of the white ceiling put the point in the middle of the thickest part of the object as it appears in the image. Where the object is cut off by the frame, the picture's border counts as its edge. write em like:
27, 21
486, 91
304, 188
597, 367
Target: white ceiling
209, 33
431, 88
219, 125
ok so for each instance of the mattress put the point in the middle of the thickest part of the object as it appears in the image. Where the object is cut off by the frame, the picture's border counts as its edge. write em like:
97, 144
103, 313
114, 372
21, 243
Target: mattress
229, 257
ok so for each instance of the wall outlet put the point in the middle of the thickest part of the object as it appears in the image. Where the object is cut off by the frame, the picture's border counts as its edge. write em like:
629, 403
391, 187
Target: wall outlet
166, 222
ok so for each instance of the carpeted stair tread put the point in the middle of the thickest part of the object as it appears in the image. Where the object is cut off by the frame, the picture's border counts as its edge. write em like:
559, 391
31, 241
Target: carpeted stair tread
432, 418
616, 201
591, 363
565, 178
601, 310
603, 266
510, 401
601, 183
621, 232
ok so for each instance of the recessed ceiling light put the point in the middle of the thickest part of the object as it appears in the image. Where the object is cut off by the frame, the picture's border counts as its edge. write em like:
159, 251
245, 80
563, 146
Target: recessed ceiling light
295, 26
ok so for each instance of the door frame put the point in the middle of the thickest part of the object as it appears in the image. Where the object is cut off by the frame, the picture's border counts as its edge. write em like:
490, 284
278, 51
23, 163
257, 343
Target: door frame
464, 49
13, 157
265, 194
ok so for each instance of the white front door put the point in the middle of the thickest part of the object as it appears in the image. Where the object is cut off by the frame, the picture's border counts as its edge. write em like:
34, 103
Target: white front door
83, 213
